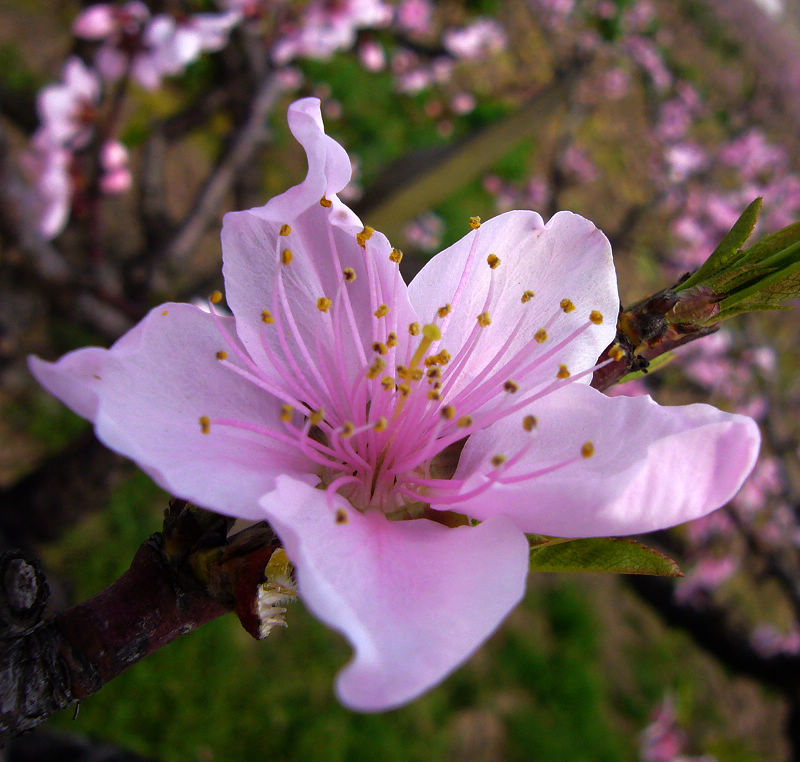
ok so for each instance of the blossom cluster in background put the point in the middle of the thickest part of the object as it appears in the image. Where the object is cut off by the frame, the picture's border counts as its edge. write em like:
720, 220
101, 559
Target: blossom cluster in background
663, 740
74, 149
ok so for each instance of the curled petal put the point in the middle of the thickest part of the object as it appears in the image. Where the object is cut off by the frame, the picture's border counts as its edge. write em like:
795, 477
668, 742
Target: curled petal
329, 169
414, 598
147, 394
649, 467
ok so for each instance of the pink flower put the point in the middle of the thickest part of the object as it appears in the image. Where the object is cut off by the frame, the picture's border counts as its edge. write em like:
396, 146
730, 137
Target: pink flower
480, 38
372, 55
462, 103
327, 27
47, 165
415, 16
97, 22
67, 109
151, 48
116, 176
388, 433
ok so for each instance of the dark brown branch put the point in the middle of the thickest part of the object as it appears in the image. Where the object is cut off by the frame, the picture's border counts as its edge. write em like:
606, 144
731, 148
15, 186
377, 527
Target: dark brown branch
179, 579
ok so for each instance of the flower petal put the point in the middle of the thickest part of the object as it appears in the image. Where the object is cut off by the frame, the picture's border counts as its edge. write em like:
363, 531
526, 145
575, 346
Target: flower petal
414, 598
321, 251
323, 243
328, 168
147, 393
652, 466
568, 258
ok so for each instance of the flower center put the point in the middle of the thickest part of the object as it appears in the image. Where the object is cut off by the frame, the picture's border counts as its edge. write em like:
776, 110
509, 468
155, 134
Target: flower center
379, 408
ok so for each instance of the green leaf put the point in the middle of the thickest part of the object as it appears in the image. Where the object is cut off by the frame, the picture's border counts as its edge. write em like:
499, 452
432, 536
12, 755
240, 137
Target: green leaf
768, 292
607, 555
774, 243
729, 247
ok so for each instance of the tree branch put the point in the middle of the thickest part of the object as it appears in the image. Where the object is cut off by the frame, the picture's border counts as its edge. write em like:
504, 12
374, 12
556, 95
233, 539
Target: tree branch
180, 578
209, 201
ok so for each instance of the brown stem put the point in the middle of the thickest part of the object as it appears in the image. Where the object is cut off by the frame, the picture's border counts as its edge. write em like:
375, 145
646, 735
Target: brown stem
179, 579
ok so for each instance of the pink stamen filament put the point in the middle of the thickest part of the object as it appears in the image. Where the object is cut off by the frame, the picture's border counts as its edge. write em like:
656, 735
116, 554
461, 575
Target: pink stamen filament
300, 376
351, 319
327, 401
515, 366
331, 489
462, 282
277, 437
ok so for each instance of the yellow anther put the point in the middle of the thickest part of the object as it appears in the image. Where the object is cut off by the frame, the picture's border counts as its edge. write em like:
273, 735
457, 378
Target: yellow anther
317, 416
349, 274
416, 374
484, 319
512, 387
443, 357
444, 311
381, 424
286, 256
404, 390
387, 382
540, 336
616, 352
165, 312
596, 317
529, 422
221, 355
285, 230
566, 305
436, 384
382, 311
347, 429
527, 296
474, 222
434, 373
587, 449
286, 412
413, 329
324, 304
498, 460
448, 412
493, 261
266, 317
391, 339
216, 297
341, 513
431, 332
379, 347
464, 422
377, 366
434, 395
326, 202
402, 371
205, 423
396, 256
562, 372
364, 235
